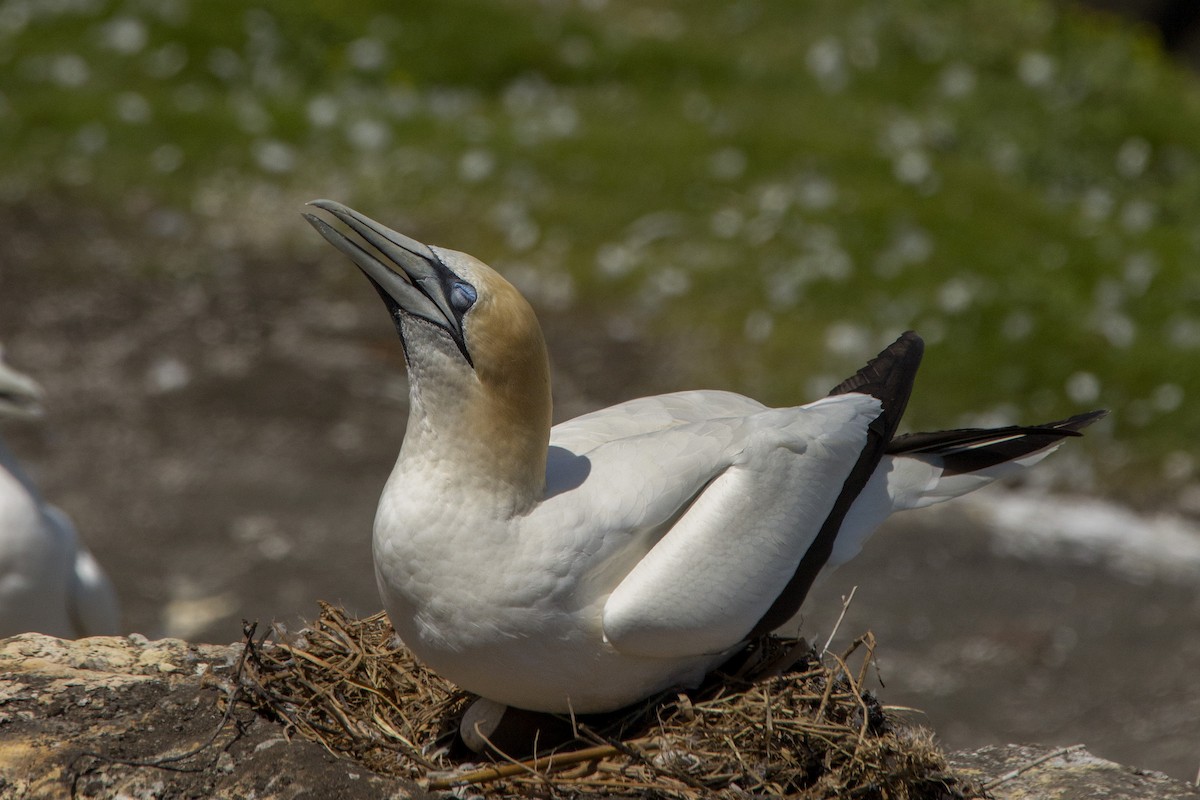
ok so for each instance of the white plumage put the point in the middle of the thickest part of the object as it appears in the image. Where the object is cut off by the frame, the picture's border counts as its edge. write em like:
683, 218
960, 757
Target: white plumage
628, 550
49, 582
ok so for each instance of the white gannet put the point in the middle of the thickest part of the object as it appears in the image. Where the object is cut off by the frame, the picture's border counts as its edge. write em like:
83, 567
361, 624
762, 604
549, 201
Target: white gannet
49, 582
585, 566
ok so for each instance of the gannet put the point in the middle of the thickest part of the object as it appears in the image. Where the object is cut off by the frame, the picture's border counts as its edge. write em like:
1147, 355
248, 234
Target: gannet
49, 582
585, 566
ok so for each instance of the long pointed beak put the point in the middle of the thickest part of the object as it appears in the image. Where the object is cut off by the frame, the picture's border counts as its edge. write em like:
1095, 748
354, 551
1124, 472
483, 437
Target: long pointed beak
420, 287
20, 395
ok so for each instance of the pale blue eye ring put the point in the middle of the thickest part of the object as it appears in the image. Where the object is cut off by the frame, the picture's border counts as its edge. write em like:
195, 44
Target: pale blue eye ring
462, 296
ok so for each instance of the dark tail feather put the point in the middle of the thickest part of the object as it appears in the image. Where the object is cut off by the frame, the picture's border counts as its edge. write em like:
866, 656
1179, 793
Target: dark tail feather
973, 449
889, 378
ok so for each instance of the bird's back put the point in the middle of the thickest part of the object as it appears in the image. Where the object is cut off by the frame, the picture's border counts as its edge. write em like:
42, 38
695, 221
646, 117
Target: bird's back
649, 415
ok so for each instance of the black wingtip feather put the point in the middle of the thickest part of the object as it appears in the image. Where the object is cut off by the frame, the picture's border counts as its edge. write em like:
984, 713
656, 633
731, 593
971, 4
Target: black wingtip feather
972, 449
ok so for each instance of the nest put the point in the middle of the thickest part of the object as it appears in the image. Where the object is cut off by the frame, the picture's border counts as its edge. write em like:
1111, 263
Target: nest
778, 720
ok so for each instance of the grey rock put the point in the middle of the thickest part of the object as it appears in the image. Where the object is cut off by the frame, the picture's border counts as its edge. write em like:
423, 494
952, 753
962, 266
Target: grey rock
126, 717
132, 718
1035, 772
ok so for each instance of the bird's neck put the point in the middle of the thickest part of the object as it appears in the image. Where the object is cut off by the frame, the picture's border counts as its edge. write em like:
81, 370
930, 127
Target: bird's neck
486, 436
8, 463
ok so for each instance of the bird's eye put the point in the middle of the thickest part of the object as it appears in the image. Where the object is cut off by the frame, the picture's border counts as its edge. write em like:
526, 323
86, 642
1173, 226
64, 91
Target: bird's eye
462, 296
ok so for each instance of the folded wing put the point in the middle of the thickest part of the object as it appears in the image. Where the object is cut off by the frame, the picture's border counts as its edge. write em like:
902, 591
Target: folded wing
734, 549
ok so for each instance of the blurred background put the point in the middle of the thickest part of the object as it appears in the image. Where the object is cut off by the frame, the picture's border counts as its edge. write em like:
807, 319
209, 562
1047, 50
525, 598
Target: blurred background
746, 194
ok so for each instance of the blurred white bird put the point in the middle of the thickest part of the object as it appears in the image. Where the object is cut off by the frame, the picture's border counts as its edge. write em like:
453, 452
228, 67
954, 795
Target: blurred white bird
49, 582
587, 566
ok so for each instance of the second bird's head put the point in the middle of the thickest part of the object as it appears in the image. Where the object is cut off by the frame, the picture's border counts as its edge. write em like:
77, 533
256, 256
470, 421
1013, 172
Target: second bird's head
454, 313
20, 395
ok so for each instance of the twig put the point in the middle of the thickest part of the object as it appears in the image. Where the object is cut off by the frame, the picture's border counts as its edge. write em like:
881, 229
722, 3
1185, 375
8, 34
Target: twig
845, 605
829, 681
539, 774
636, 750
1008, 776
539, 766
408, 748
856, 694
867, 639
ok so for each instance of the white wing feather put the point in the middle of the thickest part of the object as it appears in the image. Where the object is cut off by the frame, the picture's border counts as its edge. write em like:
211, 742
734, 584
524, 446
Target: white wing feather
644, 415
723, 563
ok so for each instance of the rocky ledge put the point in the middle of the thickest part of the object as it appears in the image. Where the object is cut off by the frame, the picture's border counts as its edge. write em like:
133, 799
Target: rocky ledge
127, 717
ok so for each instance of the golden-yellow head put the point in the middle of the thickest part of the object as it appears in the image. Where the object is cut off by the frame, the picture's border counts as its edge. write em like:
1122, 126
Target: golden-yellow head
477, 359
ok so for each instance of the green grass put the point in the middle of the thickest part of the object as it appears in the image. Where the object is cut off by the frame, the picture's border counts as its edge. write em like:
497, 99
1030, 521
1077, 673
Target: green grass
1017, 182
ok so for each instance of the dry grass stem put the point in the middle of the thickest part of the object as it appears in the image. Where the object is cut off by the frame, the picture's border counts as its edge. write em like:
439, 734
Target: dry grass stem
1021, 770
846, 601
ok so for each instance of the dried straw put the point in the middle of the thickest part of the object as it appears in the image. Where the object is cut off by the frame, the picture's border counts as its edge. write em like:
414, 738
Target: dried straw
778, 720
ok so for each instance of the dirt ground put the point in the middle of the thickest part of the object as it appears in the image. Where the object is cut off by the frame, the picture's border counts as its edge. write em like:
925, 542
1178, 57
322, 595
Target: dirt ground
221, 443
